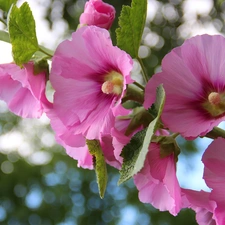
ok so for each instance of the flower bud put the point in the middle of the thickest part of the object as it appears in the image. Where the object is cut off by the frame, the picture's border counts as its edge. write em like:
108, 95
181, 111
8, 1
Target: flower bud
98, 13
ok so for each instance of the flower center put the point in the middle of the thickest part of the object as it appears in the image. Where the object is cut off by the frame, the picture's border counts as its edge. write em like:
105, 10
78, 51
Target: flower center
215, 104
113, 83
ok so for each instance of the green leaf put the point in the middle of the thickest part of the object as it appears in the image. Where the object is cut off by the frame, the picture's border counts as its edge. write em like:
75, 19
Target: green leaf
22, 33
94, 148
131, 22
134, 153
6, 4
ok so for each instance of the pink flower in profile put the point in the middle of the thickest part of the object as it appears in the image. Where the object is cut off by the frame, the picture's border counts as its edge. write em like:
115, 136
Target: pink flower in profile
89, 76
214, 175
193, 76
23, 91
157, 182
98, 13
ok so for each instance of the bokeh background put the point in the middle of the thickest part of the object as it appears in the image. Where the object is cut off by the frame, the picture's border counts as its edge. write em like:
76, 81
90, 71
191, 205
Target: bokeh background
39, 183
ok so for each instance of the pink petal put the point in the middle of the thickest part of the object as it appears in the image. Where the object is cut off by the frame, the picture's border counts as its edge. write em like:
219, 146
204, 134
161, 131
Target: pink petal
82, 155
108, 151
200, 202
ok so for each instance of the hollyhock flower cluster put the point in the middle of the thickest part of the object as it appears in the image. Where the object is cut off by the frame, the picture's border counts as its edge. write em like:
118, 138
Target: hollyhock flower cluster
98, 13
89, 76
193, 76
23, 91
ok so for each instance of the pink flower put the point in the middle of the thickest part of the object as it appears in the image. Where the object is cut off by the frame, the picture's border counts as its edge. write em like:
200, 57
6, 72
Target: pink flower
210, 206
157, 182
193, 77
214, 175
75, 145
23, 91
89, 76
200, 202
98, 13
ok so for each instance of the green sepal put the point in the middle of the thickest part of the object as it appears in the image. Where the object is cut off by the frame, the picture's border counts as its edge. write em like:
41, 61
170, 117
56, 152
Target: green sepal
139, 117
95, 150
131, 24
6, 4
21, 26
41, 66
168, 146
134, 153
40, 63
134, 94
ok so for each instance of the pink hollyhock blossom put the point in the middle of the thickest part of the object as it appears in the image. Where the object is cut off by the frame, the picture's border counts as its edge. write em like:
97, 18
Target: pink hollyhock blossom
157, 182
193, 76
200, 202
89, 76
75, 145
81, 153
98, 13
23, 91
214, 175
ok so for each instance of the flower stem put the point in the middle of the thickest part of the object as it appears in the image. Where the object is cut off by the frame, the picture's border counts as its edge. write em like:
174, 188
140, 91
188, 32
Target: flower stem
145, 76
174, 135
46, 51
215, 133
3, 21
4, 36
139, 85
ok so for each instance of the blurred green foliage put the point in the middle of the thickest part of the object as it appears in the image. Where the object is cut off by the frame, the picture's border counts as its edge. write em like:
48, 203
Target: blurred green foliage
57, 192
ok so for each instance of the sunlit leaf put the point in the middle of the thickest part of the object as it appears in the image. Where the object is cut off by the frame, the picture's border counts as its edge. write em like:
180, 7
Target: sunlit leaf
94, 148
22, 33
131, 22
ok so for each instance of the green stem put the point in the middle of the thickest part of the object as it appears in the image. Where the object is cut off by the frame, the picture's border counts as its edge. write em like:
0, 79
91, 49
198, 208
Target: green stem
215, 133
145, 76
46, 51
139, 85
4, 36
3, 21
174, 135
